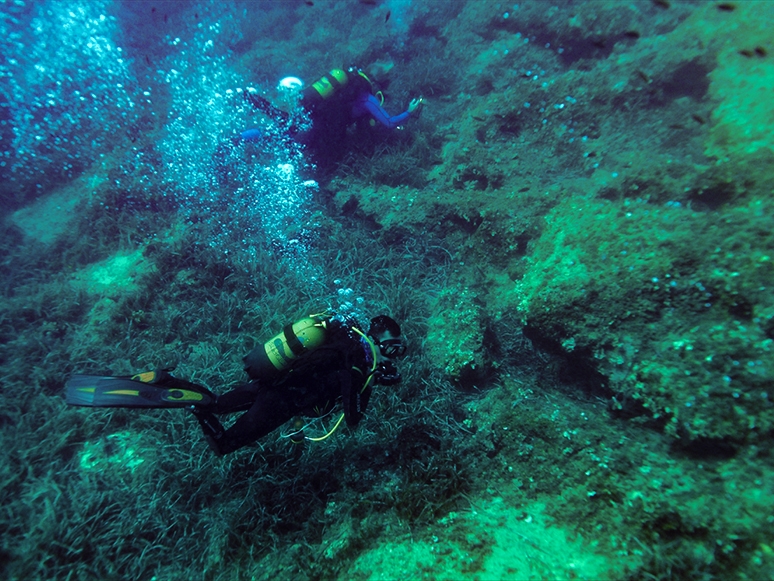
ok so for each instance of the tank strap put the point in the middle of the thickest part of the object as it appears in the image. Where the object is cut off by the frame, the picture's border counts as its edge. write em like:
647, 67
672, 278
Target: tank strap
296, 347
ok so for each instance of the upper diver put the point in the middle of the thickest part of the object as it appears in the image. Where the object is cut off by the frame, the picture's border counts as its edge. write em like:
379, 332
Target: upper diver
327, 108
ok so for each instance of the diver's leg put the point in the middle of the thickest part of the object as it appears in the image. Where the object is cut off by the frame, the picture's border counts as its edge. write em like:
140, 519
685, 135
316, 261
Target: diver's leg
211, 426
270, 410
264, 412
239, 399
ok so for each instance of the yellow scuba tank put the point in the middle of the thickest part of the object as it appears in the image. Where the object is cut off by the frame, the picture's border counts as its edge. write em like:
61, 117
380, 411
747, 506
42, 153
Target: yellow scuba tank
324, 88
266, 361
336, 83
328, 84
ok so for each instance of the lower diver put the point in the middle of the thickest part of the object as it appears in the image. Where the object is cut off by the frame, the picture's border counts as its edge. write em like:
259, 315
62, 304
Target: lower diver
305, 371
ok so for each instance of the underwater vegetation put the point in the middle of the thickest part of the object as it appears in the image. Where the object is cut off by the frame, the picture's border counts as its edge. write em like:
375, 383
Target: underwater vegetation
575, 235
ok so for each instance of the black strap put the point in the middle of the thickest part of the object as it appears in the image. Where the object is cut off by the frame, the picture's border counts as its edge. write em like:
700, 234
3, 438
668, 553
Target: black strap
296, 347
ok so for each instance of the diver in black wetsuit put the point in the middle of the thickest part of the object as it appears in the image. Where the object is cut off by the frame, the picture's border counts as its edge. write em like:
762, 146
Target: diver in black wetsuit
333, 103
305, 370
344, 367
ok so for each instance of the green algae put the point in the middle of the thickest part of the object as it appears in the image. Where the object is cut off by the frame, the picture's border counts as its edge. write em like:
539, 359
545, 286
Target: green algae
488, 541
455, 335
623, 434
665, 284
118, 450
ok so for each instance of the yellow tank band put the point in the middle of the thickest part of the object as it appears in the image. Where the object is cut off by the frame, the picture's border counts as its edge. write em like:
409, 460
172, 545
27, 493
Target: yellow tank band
324, 87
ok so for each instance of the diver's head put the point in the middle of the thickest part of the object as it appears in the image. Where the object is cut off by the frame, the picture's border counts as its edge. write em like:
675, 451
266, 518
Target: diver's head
385, 333
362, 79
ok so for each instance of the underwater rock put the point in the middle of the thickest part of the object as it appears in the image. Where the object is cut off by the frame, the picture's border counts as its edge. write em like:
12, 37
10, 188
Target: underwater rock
455, 336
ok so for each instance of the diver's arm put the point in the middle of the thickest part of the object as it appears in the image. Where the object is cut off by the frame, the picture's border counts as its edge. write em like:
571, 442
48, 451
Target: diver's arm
354, 397
371, 107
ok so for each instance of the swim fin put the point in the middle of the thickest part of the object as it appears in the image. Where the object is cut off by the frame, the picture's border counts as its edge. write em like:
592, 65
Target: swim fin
134, 392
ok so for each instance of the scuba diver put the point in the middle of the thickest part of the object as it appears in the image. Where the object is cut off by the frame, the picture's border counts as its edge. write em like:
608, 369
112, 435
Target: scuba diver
304, 371
326, 110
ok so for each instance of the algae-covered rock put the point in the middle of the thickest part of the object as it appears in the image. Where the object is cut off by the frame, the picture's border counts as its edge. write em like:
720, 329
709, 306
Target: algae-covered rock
672, 306
455, 335
741, 75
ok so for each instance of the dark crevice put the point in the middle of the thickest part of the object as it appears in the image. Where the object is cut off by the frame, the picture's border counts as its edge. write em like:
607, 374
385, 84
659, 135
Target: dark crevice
710, 449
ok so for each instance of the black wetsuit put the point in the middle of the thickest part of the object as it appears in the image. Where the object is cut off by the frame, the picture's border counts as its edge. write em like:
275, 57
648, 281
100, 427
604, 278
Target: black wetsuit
311, 387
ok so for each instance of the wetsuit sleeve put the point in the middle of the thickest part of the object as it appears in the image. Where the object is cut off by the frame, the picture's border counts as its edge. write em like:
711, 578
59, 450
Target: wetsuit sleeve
371, 107
353, 397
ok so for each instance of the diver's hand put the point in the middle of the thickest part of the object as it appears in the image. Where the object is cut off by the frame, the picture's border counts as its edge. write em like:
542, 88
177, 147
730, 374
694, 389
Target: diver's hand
415, 104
